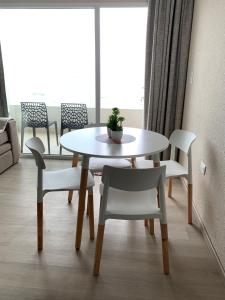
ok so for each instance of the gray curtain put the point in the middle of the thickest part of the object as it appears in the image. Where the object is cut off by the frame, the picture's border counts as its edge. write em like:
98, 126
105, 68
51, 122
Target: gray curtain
3, 100
167, 48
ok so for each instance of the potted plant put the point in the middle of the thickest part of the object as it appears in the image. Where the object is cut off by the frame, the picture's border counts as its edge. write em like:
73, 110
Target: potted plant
115, 125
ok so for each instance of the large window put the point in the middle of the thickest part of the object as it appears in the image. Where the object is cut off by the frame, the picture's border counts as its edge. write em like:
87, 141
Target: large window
123, 34
89, 55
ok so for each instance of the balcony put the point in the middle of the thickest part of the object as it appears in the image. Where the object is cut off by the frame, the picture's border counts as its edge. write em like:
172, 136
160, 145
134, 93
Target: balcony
134, 118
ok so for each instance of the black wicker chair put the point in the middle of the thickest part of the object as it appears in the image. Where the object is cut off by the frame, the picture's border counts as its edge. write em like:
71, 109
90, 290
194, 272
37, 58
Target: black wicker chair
35, 115
73, 116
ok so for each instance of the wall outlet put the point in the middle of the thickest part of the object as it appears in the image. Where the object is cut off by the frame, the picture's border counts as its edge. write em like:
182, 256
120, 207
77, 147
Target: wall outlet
202, 168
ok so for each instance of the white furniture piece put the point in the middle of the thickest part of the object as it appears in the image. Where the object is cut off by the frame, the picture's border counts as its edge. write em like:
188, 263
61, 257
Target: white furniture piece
131, 194
182, 140
60, 180
88, 142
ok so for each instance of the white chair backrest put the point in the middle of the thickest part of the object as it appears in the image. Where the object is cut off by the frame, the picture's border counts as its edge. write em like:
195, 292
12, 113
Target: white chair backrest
182, 140
37, 148
133, 179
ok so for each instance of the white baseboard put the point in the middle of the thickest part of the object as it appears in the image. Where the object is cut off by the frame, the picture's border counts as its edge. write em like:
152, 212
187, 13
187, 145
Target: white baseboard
204, 231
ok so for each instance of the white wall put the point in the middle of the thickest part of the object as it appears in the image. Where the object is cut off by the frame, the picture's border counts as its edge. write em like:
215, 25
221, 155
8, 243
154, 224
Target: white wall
204, 114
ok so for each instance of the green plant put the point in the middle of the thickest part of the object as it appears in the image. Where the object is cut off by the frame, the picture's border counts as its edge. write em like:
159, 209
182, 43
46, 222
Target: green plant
115, 122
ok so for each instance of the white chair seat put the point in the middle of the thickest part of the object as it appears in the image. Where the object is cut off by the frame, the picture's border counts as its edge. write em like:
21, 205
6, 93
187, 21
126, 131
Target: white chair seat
173, 168
131, 205
66, 179
96, 164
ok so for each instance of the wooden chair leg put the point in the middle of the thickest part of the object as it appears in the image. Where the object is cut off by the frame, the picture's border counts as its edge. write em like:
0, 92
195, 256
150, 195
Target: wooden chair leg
91, 215
151, 226
70, 196
189, 203
40, 226
170, 187
146, 222
87, 209
165, 251
98, 249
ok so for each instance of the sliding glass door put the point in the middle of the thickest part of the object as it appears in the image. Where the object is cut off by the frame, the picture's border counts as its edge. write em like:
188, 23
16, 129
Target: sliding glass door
75, 56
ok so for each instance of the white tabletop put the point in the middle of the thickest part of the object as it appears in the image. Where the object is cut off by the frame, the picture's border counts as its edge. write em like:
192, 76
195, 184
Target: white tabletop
83, 141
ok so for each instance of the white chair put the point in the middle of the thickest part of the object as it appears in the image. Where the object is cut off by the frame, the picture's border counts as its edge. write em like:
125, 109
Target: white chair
60, 180
131, 194
182, 140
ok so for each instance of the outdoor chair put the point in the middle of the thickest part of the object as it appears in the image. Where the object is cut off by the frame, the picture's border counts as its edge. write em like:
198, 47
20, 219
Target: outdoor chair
35, 115
73, 116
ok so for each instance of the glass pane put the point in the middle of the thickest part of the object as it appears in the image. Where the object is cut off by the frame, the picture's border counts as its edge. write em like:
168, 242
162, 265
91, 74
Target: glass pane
123, 35
49, 56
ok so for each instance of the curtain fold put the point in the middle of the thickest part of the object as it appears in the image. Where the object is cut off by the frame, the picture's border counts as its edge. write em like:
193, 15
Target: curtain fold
3, 101
167, 48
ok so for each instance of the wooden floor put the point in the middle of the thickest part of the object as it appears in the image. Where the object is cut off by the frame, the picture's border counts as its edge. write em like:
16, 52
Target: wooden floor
131, 263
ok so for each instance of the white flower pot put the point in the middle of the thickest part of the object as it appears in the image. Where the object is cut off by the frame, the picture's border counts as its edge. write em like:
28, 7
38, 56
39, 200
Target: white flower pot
117, 135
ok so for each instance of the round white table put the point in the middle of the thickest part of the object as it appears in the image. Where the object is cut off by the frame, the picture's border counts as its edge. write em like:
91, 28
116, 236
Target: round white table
93, 142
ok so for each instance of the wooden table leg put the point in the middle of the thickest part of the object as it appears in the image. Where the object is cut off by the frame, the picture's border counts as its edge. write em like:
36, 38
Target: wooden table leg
91, 214
81, 203
74, 164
